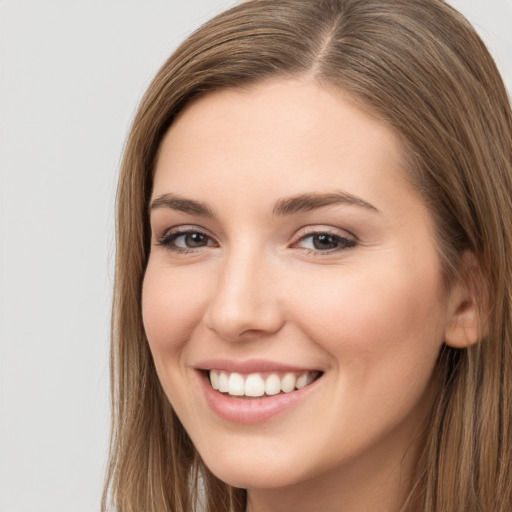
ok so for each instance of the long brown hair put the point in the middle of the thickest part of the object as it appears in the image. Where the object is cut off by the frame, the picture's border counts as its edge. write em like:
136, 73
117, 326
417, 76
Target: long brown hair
420, 67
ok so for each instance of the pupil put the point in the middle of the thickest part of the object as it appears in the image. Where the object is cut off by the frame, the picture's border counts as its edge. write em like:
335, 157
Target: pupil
323, 242
195, 240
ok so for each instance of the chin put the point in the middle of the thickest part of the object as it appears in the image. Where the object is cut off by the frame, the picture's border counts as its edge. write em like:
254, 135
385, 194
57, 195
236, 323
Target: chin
251, 476
259, 468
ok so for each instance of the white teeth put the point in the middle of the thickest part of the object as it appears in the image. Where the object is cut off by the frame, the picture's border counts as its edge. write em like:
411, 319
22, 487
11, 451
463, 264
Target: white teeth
236, 385
254, 385
288, 383
214, 379
301, 381
273, 384
223, 382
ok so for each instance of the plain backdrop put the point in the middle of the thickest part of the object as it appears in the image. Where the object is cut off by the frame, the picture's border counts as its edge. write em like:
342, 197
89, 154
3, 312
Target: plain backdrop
71, 75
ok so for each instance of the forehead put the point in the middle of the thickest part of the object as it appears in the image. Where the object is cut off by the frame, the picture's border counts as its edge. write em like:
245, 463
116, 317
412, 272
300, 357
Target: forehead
296, 134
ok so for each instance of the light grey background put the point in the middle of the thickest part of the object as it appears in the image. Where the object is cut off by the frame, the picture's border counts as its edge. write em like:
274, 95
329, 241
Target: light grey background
71, 74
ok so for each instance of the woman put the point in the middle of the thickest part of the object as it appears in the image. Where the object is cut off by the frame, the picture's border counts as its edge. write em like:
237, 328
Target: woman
313, 288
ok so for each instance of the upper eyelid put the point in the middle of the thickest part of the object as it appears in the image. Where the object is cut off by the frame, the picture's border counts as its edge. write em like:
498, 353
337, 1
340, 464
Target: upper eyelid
331, 230
168, 235
184, 229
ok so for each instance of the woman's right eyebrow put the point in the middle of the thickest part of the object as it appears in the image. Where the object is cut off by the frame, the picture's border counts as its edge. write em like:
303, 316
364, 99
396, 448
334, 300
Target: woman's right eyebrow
181, 204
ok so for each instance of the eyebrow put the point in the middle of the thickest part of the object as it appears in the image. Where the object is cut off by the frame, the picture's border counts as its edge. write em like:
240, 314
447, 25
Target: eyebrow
181, 204
282, 207
308, 202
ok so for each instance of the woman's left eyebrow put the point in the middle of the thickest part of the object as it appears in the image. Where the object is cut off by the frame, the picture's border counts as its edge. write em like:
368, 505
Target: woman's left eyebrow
313, 201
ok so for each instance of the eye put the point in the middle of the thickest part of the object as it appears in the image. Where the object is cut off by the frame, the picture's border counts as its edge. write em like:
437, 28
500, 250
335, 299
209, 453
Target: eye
186, 240
325, 242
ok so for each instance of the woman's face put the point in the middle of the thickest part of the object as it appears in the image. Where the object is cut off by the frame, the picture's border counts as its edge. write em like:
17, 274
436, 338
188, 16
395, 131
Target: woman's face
290, 251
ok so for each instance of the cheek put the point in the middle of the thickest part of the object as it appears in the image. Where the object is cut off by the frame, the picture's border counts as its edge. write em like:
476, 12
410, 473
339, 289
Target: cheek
384, 321
172, 306
383, 333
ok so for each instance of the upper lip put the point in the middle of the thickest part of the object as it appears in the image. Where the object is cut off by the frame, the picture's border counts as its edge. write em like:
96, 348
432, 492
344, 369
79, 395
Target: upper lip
249, 366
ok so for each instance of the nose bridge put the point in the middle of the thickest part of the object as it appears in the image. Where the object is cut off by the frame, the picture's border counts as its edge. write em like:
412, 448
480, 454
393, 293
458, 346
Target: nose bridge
244, 302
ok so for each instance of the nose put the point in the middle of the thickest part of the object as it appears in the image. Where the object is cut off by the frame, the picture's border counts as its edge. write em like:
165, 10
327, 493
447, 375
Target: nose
244, 304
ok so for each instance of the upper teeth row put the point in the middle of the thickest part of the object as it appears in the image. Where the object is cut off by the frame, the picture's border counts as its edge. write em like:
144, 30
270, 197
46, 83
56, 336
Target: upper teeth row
253, 384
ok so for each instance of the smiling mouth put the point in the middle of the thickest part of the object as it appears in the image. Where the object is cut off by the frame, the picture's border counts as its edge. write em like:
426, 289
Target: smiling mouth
257, 385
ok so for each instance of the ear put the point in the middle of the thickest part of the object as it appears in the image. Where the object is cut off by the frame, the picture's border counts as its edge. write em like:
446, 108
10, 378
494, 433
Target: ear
467, 305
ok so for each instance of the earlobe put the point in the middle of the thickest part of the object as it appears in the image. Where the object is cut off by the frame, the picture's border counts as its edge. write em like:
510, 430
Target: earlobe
467, 306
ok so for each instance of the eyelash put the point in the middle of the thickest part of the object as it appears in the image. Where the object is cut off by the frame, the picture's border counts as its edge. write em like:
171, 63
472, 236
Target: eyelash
169, 237
345, 243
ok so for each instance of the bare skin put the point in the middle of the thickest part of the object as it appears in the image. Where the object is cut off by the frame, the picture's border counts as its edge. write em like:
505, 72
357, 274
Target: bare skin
285, 231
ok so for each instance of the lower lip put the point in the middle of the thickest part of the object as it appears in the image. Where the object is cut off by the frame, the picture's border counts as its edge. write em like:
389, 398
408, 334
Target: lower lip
251, 410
